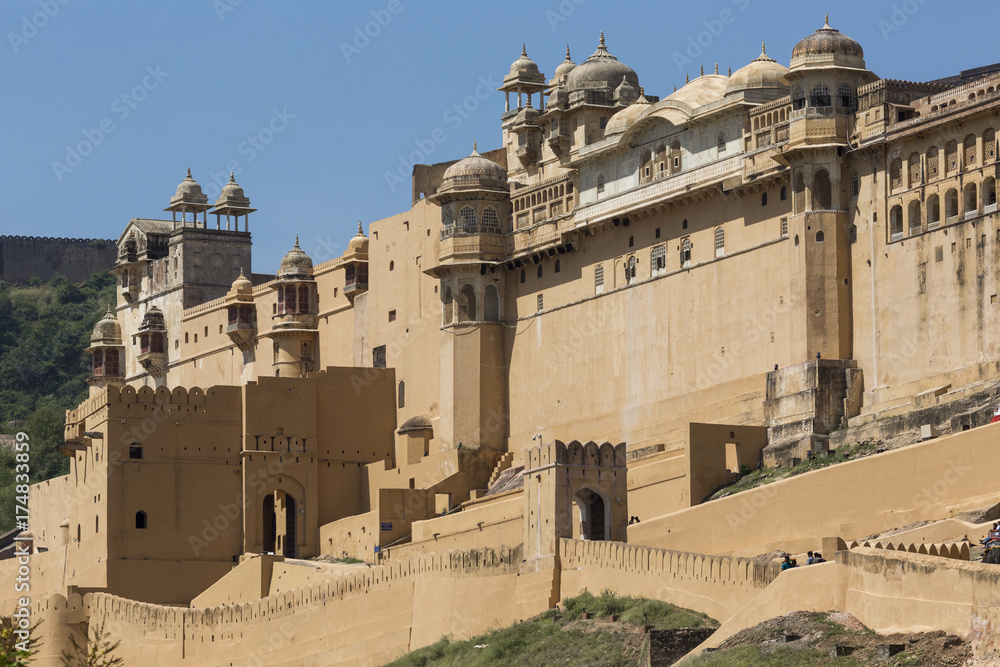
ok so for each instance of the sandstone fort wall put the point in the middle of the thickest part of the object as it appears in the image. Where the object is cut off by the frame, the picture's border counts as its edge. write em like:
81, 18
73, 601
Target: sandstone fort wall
24, 257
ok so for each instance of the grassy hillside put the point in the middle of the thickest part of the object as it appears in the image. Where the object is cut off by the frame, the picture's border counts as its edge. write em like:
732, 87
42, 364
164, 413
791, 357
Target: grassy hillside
44, 329
562, 637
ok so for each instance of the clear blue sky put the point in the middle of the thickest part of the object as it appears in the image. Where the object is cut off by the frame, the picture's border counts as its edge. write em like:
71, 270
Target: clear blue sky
147, 89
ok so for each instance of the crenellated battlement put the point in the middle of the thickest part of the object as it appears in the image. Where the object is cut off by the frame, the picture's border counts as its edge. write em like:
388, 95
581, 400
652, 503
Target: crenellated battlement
576, 453
216, 396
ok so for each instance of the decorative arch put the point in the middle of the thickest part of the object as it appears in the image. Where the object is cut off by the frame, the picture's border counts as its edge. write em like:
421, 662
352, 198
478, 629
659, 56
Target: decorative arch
491, 304
467, 304
822, 199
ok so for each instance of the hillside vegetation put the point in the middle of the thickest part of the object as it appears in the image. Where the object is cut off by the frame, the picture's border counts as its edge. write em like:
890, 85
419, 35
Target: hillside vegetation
563, 637
44, 329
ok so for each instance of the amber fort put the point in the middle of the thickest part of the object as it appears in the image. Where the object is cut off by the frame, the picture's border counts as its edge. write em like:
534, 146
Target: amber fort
615, 306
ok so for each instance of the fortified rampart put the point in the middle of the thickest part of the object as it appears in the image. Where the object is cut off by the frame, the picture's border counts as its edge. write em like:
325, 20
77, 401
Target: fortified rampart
24, 257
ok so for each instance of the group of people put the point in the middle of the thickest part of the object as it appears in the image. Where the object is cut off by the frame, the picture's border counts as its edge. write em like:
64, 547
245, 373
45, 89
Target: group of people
812, 558
633, 519
994, 533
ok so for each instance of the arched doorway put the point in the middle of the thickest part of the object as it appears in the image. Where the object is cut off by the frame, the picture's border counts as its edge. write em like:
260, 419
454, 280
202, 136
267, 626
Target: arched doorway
593, 515
270, 524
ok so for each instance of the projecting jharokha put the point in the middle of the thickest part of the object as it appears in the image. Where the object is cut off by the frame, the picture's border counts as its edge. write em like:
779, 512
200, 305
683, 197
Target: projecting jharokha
754, 269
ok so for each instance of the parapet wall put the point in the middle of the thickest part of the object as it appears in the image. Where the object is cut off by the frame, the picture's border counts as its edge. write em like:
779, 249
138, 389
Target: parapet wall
24, 257
715, 585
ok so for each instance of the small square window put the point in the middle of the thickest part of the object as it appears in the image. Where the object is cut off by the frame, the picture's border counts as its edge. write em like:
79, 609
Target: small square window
135, 451
539, 303
392, 315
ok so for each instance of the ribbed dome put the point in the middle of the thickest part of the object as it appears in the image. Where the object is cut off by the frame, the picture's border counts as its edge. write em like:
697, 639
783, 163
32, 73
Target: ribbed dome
761, 73
564, 68
601, 70
524, 65
419, 423
359, 243
827, 41
701, 91
188, 187
295, 263
107, 331
622, 120
476, 166
242, 285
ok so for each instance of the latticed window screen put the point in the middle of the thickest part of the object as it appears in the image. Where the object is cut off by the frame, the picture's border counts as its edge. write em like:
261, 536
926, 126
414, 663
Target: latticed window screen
896, 174
658, 258
989, 144
378, 357
722, 142
539, 302
630, 269
932, 163
784, 226
914, 170
951, 155
855, 184
820, 96
466, 304
720, 238
799, 193
467, 217
449, 218
970, 150
822, 197
491, 304
685, 252
490, 218
599, 278
845, 96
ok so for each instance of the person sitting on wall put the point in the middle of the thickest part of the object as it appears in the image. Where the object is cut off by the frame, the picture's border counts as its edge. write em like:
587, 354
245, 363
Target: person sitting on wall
787, 564
811, 559
818, 558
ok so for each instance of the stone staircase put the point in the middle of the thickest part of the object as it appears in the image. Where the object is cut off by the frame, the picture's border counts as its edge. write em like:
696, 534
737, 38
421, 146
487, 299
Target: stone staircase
501, 465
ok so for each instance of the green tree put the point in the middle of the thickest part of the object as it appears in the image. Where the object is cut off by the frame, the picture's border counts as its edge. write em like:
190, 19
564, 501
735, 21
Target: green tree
96, 652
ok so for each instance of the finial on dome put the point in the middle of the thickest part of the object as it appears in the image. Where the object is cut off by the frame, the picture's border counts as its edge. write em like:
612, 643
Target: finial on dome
189, 172
524, 50
642, 91
687, 79
109, 313
717, 67
763, 48
702, 71
675, 87
567, 52
232, 177
360, 231
601, 45
241, 273
297, 242
826, 21
475, 147
730, 70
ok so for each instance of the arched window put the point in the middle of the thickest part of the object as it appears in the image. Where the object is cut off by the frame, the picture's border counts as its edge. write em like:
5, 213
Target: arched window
646, 166
466, 304
392, 266
661, 160
845, 96
821, 191
896, 223
140, 520
799, 99
969, 157
799, 199
933, 211
784, 193
598, 279
989, 201
971, 199
721, 142
98, 363
675, 157
490, 218
951, 205
951, 156
989, 145
630, 270
303, 298
763, 199
658, 260
156, 342
401, 395
820, 237
467, 218
111, 361
491, 304
685, 252
820, 96
449, 217
896, 174
913, 170
855, 184
446, 305
913, 217
720, 241
932, 163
